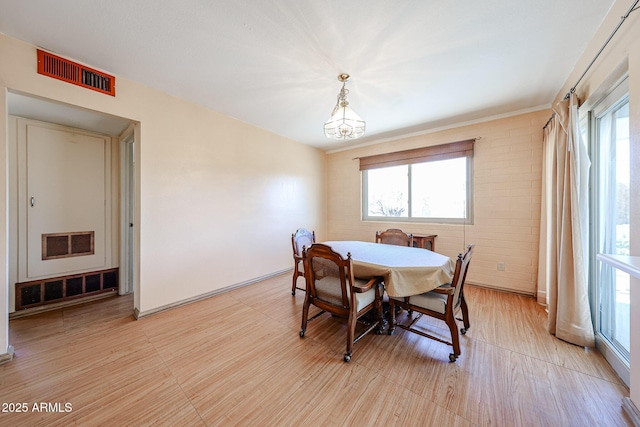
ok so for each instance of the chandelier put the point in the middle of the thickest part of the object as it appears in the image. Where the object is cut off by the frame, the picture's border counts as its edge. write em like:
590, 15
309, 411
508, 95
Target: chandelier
344, 123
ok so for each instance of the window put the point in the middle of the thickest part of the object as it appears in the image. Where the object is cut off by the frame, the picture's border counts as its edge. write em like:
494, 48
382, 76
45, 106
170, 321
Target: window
431, 184
610, 181
612, 219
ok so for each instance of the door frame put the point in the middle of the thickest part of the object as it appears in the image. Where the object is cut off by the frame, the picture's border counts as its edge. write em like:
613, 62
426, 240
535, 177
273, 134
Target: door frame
605, 100
128, 207
117, 197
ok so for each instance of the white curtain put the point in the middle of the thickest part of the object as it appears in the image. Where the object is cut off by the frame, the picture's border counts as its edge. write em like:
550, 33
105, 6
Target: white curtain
563, 258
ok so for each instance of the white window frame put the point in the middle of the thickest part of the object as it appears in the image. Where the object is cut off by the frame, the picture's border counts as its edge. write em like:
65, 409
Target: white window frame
589, 112
468, 219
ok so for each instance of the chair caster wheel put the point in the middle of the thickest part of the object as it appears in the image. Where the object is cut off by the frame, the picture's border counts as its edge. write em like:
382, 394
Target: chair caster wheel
347, 358
390, 331
293, 293
463, 331
301, 334
452, 357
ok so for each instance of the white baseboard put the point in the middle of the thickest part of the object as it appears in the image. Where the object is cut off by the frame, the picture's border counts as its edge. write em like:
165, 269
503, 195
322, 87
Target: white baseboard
8, 356
139, 314
631, 410
500, 289
542, 298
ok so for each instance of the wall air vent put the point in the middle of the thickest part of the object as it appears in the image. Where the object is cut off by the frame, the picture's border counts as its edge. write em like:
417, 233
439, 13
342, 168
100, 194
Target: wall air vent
71, 72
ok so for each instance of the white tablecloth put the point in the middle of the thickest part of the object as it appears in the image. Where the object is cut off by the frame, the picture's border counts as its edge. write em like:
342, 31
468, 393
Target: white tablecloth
406, 271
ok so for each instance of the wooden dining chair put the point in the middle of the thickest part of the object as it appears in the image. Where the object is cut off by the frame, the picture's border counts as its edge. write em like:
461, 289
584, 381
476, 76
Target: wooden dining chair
332, 288
300, 239
394, 236
441, 303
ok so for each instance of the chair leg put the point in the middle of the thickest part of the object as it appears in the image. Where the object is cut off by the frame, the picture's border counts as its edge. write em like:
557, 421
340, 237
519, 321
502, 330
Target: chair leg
392, 320
305, 315
455, 338
378, 307
351, 333
295, 279
465, 315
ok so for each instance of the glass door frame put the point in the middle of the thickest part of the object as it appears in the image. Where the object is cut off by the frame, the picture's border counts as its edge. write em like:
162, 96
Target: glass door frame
618, 95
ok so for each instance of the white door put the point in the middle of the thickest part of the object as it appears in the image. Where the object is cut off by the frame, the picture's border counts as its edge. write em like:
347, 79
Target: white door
65, 193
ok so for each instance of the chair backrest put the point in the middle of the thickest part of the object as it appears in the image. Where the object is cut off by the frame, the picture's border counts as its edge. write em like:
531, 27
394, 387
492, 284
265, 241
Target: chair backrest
301, 238
460, 274
328, 275
394, 236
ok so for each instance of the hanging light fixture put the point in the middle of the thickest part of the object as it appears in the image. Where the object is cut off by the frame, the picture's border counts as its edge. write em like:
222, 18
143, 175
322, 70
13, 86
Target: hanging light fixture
344, 123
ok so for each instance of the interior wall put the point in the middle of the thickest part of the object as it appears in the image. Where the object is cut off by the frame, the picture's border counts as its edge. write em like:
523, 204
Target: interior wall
217, 199
507, 184
622, 52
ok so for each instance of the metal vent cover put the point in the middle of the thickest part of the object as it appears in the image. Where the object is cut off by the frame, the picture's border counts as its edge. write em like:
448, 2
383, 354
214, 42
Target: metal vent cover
71, 72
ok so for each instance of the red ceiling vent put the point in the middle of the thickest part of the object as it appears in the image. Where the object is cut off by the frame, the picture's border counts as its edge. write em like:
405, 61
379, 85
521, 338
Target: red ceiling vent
74, 73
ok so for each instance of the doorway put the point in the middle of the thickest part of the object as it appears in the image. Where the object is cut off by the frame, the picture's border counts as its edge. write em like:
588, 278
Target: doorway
109, 196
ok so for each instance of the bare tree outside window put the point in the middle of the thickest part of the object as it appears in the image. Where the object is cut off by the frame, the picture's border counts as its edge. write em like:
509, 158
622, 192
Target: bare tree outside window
435, 190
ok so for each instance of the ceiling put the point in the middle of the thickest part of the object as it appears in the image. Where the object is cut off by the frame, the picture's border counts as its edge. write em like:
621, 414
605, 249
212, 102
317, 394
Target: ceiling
415, 65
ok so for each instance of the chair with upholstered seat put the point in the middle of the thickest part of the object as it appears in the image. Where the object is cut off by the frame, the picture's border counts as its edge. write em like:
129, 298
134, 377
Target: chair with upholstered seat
300, 239
394, 236
441, 303
332, 287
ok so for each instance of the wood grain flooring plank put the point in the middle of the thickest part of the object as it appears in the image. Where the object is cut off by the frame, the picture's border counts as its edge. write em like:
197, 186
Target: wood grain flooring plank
236, 359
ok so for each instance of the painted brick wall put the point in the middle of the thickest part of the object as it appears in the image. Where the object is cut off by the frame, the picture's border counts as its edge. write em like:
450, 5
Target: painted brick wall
507, 184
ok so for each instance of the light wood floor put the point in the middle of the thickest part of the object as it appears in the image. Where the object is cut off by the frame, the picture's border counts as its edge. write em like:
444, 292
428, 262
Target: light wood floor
237, 359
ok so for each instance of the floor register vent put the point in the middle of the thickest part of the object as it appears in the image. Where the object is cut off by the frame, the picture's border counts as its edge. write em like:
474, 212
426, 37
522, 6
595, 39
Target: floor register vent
71, 72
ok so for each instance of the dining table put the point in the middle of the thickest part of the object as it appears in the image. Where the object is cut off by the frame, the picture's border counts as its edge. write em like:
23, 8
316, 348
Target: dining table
405, 270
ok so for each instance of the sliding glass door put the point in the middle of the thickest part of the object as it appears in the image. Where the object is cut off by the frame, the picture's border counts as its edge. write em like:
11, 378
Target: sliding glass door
610, 224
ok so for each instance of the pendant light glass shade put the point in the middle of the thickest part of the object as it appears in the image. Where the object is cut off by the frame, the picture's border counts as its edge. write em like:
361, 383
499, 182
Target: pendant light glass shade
344, 123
